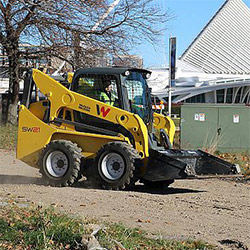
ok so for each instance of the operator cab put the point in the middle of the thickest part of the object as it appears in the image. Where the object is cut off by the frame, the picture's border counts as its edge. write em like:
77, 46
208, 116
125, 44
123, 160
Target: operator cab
128, 88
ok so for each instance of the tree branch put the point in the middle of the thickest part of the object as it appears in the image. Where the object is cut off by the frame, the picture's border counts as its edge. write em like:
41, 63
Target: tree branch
2, 7
23, 23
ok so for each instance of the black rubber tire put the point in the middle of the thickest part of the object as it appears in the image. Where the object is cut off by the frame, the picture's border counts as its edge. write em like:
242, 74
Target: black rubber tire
131, 172
156, 184
73, 154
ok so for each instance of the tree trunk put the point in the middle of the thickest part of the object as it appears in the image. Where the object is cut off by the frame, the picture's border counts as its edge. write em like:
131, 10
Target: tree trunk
13, 96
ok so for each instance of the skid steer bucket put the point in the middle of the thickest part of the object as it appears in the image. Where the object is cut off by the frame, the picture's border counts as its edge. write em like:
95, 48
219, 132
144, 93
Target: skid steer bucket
181, 164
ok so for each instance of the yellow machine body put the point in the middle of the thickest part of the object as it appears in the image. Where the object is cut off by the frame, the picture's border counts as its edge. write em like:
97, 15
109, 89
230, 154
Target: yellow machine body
67, 134
34, 134
165, 123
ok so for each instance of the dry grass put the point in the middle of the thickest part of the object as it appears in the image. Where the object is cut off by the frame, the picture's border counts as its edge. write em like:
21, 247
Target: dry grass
8, 137
242, 159
38, 228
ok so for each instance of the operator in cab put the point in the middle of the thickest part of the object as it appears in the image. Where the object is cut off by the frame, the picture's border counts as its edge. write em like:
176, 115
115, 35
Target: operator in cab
106, 94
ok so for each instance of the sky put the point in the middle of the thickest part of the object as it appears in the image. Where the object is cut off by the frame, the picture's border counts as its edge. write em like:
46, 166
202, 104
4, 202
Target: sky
190, 17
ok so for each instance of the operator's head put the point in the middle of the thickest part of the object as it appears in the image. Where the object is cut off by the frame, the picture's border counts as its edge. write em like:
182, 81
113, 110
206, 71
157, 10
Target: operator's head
107, 85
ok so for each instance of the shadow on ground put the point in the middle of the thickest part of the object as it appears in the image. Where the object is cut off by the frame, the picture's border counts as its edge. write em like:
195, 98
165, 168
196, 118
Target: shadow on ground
20, 179
164, 191
140, 188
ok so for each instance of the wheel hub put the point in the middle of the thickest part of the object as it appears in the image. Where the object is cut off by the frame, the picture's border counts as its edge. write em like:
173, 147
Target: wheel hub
116, 166
112, 166
57, 164
60, 163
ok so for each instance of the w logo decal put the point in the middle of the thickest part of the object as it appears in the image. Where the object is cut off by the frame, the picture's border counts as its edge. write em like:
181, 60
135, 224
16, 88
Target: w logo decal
102, 111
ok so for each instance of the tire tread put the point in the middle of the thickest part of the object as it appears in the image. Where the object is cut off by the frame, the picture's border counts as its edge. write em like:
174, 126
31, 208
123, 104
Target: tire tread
133, 175
76, 155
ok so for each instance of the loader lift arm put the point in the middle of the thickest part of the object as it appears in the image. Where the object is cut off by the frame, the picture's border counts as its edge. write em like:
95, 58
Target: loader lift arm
61, 97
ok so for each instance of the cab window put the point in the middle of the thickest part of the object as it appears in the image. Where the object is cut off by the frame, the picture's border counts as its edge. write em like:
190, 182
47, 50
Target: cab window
96, 87
136, 87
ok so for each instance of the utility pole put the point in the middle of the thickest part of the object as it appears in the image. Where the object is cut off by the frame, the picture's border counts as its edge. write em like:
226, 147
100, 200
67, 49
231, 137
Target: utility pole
172, 66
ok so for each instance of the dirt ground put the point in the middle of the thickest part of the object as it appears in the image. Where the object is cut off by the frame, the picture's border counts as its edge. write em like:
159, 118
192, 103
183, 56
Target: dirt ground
213, 210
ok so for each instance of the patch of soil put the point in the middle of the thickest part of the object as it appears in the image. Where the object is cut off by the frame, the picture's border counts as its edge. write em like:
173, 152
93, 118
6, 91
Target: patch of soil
213, 210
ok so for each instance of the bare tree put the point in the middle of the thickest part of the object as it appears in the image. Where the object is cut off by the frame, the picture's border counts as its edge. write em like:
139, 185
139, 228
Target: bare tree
58, 26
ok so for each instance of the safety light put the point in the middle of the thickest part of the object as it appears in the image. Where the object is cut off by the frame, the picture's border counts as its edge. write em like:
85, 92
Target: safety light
127, 73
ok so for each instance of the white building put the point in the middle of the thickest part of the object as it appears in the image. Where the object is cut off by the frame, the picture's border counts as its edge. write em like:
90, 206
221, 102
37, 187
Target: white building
215, 68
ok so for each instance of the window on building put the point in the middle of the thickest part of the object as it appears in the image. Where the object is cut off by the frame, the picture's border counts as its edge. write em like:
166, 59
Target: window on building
237, 99
220, 95
246, 99
229, 97
165, 99
196, 99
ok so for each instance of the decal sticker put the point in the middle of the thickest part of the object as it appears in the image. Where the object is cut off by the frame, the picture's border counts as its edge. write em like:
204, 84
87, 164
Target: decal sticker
202, 117
236, 119
102, 111
84, 107
31, 129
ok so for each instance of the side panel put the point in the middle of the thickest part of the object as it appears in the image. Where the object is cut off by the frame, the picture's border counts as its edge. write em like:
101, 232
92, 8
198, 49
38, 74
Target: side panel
34, 135
199, 126
234, 129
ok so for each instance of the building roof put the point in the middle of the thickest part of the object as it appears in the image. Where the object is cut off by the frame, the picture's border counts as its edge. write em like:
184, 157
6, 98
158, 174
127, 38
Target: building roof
223, 46
182, 93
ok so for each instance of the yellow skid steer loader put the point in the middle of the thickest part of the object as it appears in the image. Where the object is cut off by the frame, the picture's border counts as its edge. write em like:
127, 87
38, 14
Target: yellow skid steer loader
102, 125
